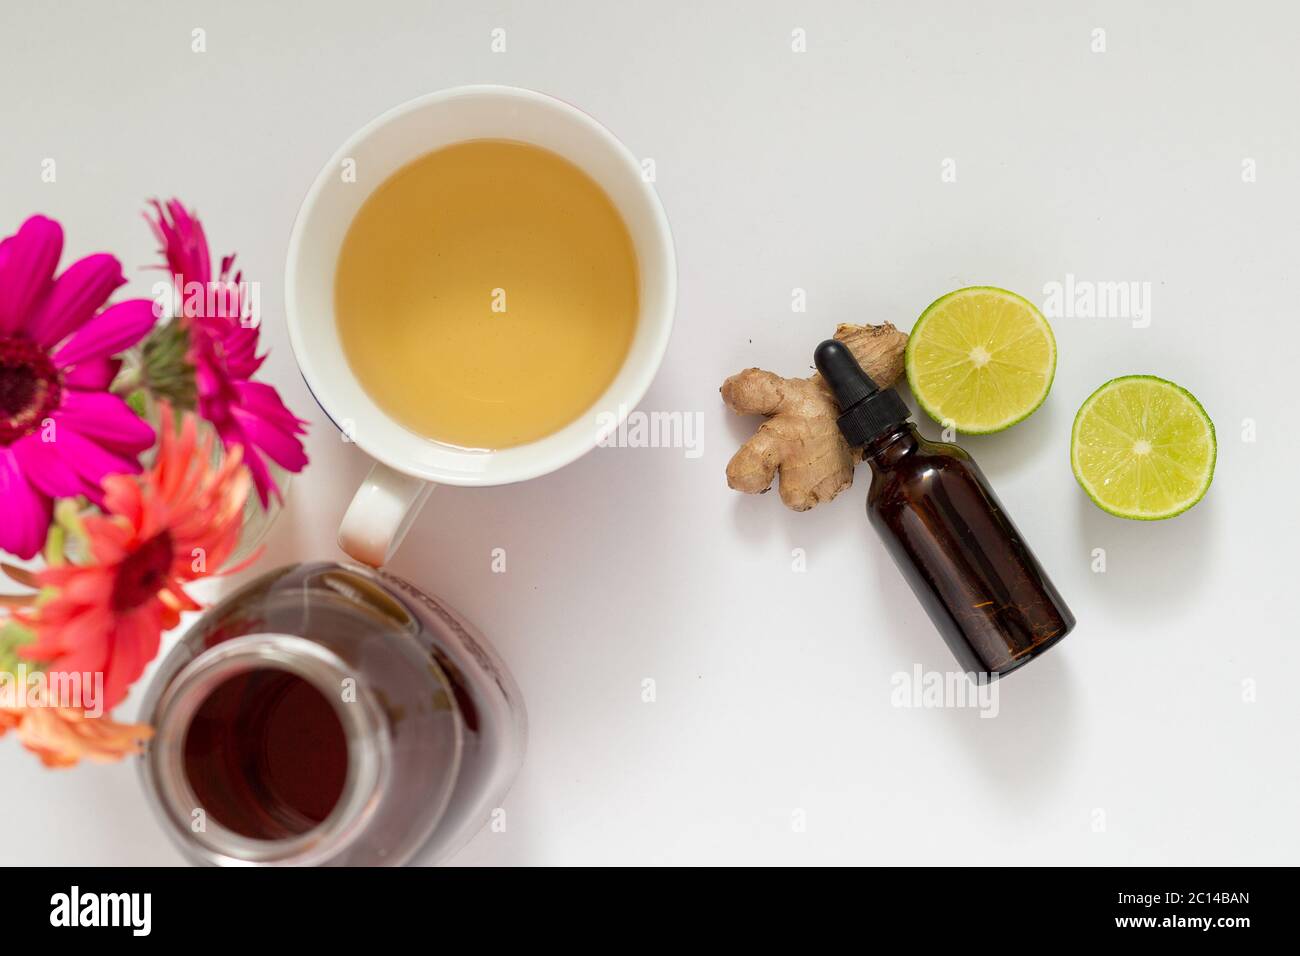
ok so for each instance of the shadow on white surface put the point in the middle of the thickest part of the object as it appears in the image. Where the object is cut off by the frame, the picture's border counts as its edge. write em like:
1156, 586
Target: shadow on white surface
1023, 751
1154, 570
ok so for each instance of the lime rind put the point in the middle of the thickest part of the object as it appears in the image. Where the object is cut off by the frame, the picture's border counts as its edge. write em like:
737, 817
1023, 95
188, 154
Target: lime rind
1134, 515
918, 390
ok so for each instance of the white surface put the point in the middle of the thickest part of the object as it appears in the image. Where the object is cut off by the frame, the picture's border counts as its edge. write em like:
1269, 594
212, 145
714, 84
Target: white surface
818, 170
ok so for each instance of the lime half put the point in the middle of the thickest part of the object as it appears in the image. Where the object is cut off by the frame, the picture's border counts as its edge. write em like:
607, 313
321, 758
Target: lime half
1143, 448
980, 359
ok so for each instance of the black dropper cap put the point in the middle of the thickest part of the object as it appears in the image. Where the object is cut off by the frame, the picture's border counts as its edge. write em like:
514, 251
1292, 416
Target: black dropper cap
867, 411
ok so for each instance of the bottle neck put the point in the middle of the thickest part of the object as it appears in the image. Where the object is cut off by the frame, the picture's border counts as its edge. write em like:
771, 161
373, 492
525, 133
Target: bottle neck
367, 738
886, 449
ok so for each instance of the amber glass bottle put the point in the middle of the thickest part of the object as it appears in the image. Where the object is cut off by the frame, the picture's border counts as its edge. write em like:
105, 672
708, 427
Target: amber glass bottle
946, 530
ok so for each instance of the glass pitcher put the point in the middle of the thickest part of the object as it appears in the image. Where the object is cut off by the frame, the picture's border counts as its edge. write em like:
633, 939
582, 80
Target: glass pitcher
329, 714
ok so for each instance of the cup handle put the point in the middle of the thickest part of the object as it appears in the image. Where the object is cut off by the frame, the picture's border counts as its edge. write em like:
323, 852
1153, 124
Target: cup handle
382, 511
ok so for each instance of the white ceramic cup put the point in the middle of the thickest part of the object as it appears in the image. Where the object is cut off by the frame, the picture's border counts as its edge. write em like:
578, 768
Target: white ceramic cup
408, 465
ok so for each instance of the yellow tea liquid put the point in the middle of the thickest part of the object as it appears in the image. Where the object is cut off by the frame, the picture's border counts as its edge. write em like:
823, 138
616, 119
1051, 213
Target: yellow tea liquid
486, 294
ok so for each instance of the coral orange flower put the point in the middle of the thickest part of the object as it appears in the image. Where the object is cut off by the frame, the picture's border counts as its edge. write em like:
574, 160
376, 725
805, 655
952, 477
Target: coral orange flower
61, 736
177, 522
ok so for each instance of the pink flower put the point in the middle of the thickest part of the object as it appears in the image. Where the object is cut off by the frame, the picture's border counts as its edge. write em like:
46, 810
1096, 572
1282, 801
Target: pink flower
61, 431
223, 350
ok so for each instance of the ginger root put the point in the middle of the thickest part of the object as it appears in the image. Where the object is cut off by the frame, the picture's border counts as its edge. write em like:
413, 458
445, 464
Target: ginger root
800, 439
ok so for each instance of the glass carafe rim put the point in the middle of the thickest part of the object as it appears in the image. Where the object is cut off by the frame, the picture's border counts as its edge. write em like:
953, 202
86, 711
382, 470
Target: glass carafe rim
363, 722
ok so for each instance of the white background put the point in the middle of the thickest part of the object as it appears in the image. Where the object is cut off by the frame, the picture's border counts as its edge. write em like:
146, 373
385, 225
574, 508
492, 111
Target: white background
778, 170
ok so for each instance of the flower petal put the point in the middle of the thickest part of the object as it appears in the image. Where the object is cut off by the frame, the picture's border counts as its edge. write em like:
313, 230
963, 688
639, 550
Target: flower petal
106, 419
116, 328
48, 470
111, 539
273, 437
30, 256
79, 641
72, 457
93, 375
263, 480
89, 585
135, 644
63, 736
26, 511
235, 343
264, 401
184, 244
75, 296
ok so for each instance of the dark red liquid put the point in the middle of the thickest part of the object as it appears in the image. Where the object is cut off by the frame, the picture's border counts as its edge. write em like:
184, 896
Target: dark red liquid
266, 755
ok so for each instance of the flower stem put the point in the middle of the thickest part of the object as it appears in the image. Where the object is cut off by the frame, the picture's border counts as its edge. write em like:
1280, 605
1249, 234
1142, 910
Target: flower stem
127, 380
